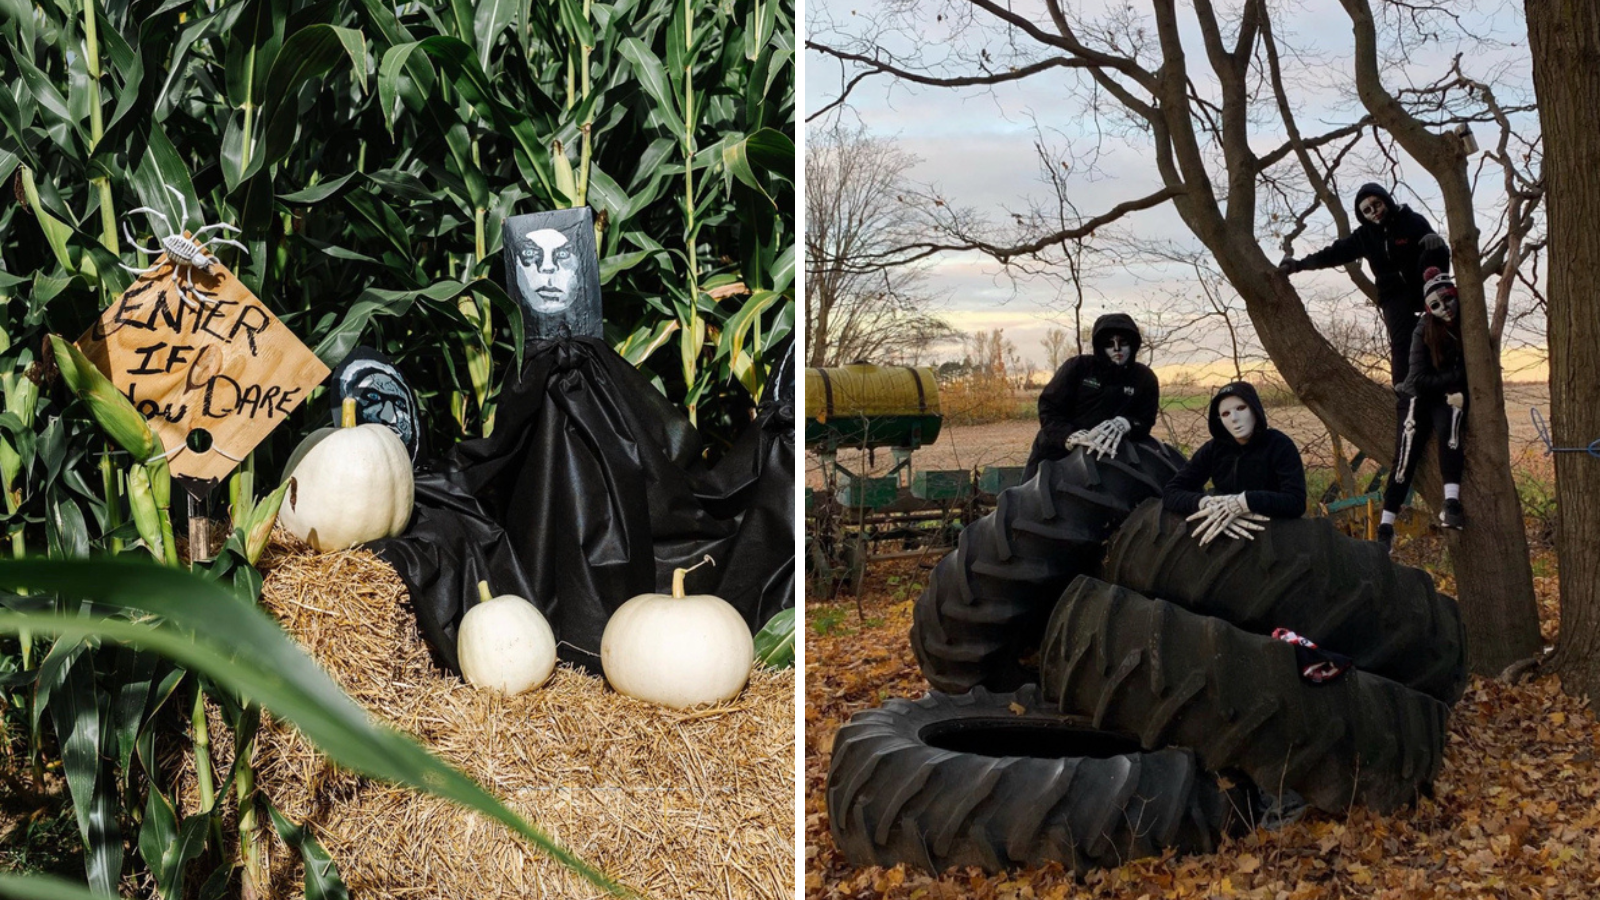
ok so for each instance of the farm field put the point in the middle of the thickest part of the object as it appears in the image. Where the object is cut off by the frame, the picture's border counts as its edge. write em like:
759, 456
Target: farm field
1006, 443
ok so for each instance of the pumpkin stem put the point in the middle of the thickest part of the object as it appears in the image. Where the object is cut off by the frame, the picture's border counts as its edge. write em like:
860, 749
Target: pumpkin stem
483, 592
677, 575
347, 413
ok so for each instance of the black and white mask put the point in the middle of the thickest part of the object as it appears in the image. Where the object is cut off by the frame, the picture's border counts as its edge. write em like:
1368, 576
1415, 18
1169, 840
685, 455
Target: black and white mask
553, 271
1237, 417
381, 394
1373, 209
1119, 350
1442, 304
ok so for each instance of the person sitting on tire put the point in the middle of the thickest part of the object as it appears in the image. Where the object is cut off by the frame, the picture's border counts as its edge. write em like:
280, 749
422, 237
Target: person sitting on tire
1097, 399
1435, 392
1255, 471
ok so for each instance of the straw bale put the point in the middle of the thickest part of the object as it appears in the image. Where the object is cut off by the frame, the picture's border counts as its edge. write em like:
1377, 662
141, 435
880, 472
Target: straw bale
679, 804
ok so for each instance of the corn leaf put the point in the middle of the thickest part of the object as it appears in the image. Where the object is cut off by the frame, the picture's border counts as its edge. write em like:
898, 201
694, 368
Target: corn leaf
244, 650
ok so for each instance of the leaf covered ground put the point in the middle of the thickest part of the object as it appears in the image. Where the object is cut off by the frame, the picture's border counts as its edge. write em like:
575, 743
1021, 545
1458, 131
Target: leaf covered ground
1515, 813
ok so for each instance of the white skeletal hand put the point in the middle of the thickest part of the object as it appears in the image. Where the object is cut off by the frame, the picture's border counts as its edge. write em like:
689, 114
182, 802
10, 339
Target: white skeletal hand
1103, 439
1227, 514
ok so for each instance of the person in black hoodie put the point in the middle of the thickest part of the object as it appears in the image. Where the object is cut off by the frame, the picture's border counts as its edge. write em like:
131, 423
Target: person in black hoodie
1097, 399
1255, 471
1398, 245
1435, 393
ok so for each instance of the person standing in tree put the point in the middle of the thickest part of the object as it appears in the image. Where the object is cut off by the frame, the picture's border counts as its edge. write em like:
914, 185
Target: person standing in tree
1399, 245
1435, 393
1097, 399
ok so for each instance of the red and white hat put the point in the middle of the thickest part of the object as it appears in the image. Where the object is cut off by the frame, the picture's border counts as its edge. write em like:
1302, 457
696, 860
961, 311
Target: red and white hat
1438, 290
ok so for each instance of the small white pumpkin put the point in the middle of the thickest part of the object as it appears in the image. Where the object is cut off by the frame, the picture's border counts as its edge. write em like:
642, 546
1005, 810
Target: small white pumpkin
352, 484
504, 644
675, 650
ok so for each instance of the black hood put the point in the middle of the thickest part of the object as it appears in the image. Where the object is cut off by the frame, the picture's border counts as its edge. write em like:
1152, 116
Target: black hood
1114, 323
1373, 189
1246, 392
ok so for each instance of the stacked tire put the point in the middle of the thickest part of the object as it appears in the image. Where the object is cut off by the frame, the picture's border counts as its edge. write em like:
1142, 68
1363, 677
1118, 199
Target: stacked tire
1001, 780
1149, 698
986, 603
1175, 678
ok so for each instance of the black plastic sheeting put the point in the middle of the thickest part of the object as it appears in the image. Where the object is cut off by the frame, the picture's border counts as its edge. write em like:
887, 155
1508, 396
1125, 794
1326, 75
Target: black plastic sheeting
591, 490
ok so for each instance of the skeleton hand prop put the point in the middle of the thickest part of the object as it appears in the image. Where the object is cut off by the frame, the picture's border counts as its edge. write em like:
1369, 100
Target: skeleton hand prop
1221, 517
1084, 438
1235, 503
1456, 399
1106, 437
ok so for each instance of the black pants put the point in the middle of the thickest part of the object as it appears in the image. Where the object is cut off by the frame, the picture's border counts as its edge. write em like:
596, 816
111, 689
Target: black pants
1429, 416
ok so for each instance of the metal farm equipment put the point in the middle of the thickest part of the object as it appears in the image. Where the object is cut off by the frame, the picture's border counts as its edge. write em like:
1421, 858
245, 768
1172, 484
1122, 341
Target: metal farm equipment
857, 516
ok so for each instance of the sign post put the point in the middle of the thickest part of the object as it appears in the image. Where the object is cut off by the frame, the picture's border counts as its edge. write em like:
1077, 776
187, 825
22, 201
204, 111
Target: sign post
213, 370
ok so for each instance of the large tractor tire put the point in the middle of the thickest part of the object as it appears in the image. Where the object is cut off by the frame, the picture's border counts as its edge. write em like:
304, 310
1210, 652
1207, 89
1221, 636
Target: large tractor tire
1302, 574
986, 603
1174, 678
1001, 780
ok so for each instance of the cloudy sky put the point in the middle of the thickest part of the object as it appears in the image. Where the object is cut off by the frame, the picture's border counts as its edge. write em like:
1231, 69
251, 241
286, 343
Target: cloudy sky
976, 146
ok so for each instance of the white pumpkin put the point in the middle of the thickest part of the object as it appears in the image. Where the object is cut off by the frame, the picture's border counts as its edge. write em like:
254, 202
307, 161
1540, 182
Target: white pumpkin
352, 484
504, 644
675, 650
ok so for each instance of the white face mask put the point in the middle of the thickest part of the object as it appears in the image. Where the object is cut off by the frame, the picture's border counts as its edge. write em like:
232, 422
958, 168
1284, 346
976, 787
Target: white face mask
1442, 306
1120, 350
1237, 418
1372, 209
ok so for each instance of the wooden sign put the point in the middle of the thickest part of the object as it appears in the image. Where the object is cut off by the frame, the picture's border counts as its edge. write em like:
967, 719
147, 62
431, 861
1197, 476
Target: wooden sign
211, 367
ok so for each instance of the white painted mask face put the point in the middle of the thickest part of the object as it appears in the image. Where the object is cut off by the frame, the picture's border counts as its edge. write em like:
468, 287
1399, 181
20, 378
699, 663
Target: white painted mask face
548, 270
1373, 209
1442, 304
1120, 350
1237, 417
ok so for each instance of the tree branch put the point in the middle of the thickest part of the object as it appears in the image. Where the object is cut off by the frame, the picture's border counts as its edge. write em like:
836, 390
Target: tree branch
909, 253
879, 67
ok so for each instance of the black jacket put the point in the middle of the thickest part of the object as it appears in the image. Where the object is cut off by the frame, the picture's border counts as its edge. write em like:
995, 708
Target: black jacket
1394, 251
1090, 389
1427, 380
1266, 468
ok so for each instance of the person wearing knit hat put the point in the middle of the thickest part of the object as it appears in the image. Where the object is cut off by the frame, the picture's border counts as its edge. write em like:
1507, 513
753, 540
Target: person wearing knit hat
1399, 246
1435, 394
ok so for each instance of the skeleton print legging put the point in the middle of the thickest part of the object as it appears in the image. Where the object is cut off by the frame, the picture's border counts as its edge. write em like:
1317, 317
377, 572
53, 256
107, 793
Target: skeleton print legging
1422, 417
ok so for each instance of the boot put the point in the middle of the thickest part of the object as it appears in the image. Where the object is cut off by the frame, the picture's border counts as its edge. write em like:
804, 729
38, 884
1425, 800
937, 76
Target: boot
1453, 515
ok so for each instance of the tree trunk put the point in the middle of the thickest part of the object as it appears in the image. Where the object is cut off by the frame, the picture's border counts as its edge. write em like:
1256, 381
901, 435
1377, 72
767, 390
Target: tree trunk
1494, 578
1564, 36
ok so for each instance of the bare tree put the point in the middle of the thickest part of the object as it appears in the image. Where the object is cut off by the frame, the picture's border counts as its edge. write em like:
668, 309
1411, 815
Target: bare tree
1565, 40
859, 306
1055, 347
1131, 71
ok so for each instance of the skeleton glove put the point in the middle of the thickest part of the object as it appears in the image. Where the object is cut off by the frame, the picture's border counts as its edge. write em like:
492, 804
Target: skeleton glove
1107, 436
1228, 514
